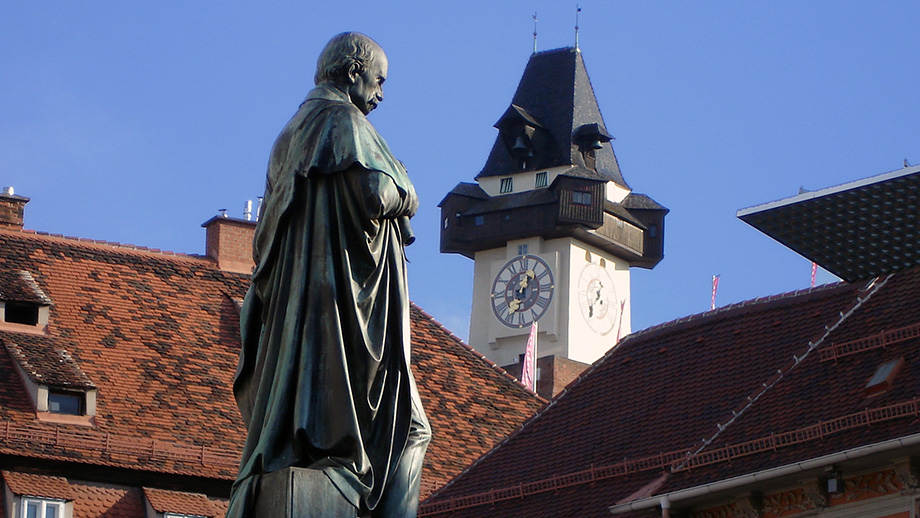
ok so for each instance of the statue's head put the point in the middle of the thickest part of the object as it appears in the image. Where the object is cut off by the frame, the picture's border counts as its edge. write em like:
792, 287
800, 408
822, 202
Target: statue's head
356, 65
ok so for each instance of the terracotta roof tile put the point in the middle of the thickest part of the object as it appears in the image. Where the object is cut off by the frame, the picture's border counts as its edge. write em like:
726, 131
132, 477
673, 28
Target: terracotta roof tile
95, 500
28, 484
738, 377
196, 504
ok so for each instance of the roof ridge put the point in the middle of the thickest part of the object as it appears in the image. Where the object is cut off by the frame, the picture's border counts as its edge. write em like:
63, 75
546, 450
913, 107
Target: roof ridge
732, 307
124, 247
871, 289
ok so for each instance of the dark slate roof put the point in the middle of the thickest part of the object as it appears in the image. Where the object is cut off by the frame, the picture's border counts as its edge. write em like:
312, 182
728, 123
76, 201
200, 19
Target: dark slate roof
641, 202
467, 189
157, 334
738, 390
556, 93
513, 201
856, 230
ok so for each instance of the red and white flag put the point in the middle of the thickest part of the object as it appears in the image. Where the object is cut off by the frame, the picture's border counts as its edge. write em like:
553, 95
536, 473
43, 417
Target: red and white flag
814, 273
715, 288
529, 370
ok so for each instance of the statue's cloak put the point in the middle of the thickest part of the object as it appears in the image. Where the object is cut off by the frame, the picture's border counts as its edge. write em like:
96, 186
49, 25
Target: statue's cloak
324, 378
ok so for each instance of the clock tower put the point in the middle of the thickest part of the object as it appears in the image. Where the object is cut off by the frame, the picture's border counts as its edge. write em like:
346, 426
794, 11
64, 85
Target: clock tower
551, 224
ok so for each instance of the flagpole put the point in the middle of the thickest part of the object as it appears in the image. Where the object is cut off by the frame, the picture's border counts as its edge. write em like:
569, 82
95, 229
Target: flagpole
715, 288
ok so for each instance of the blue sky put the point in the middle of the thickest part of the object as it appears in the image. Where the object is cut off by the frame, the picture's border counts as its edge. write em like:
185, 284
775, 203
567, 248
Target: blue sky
136, 121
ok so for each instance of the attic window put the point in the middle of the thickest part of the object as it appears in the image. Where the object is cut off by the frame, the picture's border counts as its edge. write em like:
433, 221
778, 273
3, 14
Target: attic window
41, 508
66, 402
21, 313
884, 376
507, 185
541, 180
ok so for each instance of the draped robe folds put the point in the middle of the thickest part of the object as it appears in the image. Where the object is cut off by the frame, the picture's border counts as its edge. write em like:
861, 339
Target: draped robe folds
324, 379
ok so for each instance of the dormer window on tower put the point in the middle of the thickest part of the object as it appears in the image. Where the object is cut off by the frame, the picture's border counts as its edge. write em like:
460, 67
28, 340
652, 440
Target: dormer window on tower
523, 136
590, 138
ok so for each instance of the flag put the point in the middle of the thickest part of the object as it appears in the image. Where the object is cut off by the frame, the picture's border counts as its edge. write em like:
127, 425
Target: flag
814, 272
620, 323
715, 288
529, 370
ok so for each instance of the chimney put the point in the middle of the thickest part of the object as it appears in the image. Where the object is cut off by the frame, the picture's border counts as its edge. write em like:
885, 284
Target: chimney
229, 242
12, 209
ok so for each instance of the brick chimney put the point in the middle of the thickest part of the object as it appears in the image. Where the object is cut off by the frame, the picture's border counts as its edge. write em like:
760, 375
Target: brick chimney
229, 242
12, 209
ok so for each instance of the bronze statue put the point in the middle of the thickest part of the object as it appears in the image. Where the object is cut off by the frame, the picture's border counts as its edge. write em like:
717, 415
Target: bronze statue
324, 380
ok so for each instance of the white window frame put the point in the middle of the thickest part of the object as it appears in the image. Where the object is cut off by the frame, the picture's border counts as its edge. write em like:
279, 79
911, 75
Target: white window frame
507, 185
44, 504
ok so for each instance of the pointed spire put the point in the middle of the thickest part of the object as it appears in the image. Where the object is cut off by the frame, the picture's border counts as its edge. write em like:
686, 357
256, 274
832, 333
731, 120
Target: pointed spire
577, 12
534, 32
555, 112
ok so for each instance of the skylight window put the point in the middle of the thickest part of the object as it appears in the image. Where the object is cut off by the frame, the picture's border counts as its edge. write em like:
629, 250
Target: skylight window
884, 376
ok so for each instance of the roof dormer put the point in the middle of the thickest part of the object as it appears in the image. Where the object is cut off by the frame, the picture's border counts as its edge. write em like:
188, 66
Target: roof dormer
57, 387
162, 503
24, 307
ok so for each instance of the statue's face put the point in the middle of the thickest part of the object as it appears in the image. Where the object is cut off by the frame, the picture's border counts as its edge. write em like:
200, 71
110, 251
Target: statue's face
366, 89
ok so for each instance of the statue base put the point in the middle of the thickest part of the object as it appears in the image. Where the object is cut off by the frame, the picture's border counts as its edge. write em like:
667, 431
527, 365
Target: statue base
301, 493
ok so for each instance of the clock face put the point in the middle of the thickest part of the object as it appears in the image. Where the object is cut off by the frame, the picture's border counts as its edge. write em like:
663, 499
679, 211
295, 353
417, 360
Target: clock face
598, 299
522, 291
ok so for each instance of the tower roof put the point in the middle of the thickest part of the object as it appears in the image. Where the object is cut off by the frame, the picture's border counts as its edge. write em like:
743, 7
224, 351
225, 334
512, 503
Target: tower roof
556, 100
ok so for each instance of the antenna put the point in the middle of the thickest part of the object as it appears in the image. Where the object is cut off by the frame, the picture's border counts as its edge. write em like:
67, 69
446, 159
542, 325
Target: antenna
534, 32
577, 10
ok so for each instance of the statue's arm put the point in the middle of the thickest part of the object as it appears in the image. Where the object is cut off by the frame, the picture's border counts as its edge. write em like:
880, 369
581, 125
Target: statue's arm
379, 195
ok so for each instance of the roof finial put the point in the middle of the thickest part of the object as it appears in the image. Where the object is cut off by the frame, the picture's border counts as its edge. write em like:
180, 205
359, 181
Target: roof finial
534, 32
577, 10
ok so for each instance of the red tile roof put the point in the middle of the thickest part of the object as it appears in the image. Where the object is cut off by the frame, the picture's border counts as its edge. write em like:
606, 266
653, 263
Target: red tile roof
109, 501
157, 335
738, 390
178, 502
28, 484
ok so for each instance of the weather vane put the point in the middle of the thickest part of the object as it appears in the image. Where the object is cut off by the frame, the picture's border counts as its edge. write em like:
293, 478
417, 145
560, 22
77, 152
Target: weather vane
534, 32
577, 10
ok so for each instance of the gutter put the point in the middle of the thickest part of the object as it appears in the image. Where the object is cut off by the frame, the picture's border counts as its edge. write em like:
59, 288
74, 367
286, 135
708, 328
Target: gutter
665, 500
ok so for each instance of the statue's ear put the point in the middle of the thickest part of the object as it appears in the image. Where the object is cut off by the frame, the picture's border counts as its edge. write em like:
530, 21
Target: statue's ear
353, 72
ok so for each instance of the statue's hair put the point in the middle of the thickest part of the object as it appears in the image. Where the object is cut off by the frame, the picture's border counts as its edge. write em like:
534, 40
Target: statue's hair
343, 51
